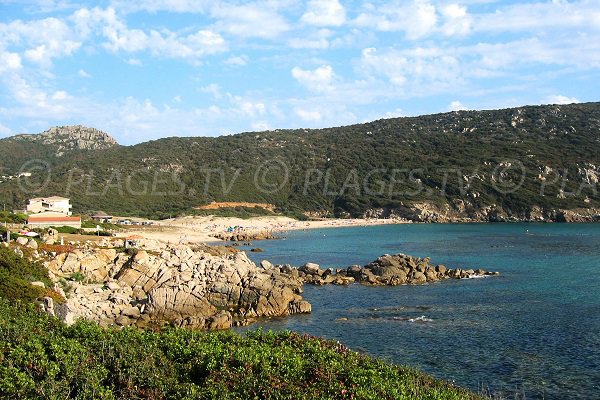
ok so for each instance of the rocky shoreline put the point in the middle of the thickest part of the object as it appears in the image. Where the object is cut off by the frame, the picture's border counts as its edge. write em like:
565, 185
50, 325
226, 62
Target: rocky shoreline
203, 287
464, 212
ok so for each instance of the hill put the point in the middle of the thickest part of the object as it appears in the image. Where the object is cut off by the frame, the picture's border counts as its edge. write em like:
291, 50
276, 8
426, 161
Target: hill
530, 162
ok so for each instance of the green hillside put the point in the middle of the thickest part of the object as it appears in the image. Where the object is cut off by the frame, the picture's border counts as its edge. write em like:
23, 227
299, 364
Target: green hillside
504, 160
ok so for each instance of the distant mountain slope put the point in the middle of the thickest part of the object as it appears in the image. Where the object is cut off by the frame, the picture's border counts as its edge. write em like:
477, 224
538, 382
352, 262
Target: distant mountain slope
523, 162
50, 145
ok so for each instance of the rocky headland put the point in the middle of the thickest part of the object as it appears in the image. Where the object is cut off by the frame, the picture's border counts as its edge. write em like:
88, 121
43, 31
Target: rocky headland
203, 287
177, 284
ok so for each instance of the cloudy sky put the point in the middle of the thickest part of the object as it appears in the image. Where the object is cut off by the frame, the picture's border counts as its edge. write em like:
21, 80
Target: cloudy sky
146, 69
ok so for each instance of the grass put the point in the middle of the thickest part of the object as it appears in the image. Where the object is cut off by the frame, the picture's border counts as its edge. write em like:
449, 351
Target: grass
43, 358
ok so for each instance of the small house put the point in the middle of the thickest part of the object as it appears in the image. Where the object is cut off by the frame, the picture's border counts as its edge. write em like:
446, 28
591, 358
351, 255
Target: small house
102, 217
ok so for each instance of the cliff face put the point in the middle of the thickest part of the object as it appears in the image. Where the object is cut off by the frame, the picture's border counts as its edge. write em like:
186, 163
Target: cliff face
73, 137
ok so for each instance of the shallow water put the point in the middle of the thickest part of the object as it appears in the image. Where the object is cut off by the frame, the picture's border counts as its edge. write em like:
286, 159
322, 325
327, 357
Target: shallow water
535, 329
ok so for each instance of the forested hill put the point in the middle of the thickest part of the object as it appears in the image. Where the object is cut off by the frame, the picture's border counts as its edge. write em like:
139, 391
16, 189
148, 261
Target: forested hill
482, 164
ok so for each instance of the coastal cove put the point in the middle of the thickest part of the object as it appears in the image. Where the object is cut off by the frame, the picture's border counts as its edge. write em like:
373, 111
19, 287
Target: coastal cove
533, 330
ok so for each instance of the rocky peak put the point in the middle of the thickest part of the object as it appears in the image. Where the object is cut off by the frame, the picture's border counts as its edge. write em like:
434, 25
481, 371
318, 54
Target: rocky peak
73, 137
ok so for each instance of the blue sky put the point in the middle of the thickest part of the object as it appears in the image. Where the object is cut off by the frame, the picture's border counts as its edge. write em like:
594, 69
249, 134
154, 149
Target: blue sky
146, 69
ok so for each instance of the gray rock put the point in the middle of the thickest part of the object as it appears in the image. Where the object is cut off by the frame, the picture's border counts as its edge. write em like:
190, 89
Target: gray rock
22, 240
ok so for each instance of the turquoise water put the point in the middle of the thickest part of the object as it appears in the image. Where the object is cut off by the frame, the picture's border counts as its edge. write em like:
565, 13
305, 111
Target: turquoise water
534, 330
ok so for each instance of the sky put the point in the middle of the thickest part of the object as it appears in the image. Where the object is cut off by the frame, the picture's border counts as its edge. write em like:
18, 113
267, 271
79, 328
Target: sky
146, 69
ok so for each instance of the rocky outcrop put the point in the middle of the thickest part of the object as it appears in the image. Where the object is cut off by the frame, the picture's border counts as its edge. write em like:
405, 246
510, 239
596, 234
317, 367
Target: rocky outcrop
392, 270
179, 284
461, 211
73, 137
245, 236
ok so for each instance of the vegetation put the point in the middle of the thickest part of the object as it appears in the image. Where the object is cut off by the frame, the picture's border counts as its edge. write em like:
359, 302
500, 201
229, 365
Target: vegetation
43, 358
16, 275
12, 218
474, 159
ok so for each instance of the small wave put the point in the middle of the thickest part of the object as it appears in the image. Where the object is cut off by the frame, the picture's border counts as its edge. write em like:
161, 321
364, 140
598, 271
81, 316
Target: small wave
477, 276
422, 318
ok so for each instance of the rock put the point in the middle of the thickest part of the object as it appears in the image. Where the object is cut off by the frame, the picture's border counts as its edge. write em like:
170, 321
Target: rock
122, 321
418, 278
132, 312
112, 286
32, 244
257, 250
221, 320
441, 269
266, 264
311, 268
22, 240
39, 284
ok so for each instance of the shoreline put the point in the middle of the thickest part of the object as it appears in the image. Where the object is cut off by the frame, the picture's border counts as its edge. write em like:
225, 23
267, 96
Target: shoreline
196, 229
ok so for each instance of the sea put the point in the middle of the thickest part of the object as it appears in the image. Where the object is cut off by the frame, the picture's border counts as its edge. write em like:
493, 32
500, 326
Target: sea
533, 332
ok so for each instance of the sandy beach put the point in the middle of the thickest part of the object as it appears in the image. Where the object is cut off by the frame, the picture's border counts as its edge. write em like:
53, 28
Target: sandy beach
196, 229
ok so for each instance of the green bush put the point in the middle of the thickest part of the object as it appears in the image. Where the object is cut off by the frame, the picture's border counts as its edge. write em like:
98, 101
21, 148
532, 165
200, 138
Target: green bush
43, 358
16, 273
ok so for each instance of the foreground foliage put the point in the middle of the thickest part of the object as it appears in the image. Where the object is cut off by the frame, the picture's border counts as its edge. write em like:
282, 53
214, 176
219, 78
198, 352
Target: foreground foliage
43, 358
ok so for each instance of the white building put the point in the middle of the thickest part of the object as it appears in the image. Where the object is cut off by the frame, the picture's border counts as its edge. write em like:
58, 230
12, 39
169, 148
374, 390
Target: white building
54, 204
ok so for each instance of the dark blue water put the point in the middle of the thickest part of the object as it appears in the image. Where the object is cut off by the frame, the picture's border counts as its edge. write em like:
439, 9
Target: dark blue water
533, 330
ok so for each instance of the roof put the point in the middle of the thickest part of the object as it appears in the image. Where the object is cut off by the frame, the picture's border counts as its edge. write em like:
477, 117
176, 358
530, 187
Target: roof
51, 198
36, 218
101, 214
56, 198
50, 216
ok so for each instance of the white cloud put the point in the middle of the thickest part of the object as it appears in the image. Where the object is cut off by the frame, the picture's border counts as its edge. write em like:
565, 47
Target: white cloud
394, 113
324, 13
249, 20
416, 18
318, 80
456, 20
84, 74
560, 99
532, 17
60, 95
456, 106
153, 6
9, 61
164, 43
260, 126
422, 70
308, 115
42, 40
